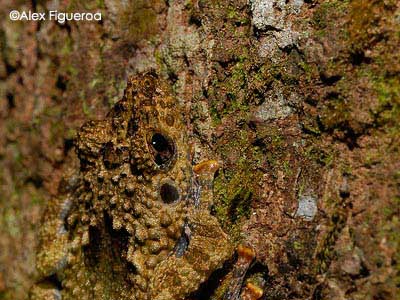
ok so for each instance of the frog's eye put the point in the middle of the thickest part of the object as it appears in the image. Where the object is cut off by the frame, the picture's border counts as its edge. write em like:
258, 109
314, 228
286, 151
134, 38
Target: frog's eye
162, 148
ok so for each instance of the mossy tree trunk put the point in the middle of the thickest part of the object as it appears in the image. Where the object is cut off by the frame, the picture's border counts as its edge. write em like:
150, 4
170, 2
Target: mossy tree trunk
299, 100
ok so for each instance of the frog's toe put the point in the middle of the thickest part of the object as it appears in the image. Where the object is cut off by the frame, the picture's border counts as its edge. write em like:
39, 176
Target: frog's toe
251, 291
208, 167
53, 258
45, 291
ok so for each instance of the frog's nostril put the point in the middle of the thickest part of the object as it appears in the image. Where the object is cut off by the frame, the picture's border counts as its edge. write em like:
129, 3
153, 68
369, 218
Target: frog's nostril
169, 193
163, 148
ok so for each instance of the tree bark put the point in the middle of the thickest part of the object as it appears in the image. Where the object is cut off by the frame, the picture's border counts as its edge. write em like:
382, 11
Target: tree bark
300, 100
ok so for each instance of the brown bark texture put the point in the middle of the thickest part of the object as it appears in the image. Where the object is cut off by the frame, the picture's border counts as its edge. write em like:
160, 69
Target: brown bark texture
299, 101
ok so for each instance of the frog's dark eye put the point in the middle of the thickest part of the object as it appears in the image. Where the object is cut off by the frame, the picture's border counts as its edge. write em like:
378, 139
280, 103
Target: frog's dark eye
163, 148
159, 142
169, 193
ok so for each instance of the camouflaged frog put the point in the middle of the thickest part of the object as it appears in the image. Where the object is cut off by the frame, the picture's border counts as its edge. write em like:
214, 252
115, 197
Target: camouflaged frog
133, 222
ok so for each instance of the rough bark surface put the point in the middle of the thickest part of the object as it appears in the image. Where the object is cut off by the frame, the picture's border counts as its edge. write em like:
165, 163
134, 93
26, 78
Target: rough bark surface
300, 100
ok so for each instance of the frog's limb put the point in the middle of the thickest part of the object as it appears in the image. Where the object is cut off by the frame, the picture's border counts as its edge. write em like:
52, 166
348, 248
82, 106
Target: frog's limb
201, 198
202, 248
53, 239
203, 185
246, 256
177, 277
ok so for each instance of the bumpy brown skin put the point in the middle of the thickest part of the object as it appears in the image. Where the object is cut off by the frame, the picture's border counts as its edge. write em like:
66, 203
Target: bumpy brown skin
113, 231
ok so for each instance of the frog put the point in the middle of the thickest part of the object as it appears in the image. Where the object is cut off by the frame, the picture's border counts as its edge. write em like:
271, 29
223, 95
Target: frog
132, 220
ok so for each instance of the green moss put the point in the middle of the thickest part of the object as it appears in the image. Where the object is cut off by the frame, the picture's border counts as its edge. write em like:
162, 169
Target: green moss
297, 245
234, 85
243, 87
234, 186
365, 17
95, 82
308, 69
239, 18
310, 127
72, 71
85, 108
67, 46
325, 252
388, 90
319, 19
326, 12
92, 5
346, 168
336, 113
371, 158
100, 4
389, 231
10, 220
287, 169
240, 204
17, 156
139, 21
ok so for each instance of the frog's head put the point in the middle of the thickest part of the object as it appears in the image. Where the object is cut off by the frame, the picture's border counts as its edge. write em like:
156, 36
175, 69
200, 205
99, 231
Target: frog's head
147, 129
159, 137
